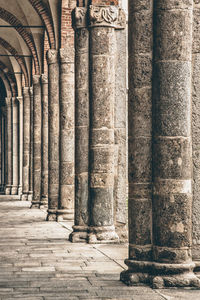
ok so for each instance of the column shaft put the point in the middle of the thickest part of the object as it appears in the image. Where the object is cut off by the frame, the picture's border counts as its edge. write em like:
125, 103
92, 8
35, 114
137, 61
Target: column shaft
44, 183
3, 151
66, 198
37, 139
15, 147
20, 100
81, 126
26, 143
170, 263
9, 146
1, 165
102, 54
54, 133
30, 194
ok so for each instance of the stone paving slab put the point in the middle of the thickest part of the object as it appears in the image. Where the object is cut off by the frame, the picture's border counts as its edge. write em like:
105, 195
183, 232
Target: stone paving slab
37, 262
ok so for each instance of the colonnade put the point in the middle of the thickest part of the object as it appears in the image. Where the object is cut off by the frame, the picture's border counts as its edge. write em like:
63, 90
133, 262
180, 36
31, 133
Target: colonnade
65, 137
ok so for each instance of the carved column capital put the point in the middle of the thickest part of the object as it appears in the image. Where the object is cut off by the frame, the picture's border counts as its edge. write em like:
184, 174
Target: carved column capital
36, 79
44, 79
80, 16
107, 16
25, 91
52, 56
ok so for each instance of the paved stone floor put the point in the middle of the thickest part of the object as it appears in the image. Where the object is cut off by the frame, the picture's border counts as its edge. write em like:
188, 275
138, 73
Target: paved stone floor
38, 262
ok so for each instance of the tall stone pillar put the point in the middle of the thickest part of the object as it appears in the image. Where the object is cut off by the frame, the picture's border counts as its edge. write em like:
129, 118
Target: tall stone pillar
20, 100
81, 126
30, 194
171, 262
3, 150
9, 146
26, 143
1, 181
1, 165
15, 146
44, 182
66, 197
37, 138
103, 20
54, 133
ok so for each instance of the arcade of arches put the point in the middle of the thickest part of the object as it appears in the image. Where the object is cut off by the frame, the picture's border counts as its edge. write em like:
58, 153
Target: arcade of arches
64, 118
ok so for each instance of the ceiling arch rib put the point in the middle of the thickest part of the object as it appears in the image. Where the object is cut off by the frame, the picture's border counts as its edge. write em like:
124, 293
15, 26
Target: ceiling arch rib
19, 59
27, 37
10, 78
47, 19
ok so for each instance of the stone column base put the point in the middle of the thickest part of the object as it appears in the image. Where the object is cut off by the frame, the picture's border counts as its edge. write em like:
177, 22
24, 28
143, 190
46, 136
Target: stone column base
51, 215
7, 190
160, 275
30, 196
65, 214
102, 235
24, 197
20, 190
79, 234
44, 201
35, 204
14, 190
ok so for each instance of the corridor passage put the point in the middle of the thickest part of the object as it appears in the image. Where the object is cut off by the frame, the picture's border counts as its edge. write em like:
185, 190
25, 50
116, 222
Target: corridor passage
38, 262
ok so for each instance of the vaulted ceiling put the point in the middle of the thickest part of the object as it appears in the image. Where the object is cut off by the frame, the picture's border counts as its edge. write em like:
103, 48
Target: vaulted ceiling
23, 24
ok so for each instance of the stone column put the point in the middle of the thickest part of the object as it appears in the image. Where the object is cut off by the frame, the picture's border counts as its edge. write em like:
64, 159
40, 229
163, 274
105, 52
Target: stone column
81, 126
37, 138
140, 33
66, 197
172, 264
103, 20
20, 100
3, 150
9, 146
54, 133
44, 183
15, 146
26, 143
30, 194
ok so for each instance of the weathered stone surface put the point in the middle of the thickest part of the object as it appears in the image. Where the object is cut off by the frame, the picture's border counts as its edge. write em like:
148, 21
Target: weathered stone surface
26, 140
168, 47
54, 132
120, 124
81, 130
195, 150
37, 140
66, 202
9, 163
15, 155
172, 93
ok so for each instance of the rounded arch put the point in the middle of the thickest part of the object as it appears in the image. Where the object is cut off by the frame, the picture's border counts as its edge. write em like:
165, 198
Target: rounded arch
47, 19
19, 59
27, 37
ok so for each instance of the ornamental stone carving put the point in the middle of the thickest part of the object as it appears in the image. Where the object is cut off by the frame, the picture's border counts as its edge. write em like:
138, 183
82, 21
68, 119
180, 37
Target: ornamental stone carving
109, 16
44, 79
52, 56
80, 14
